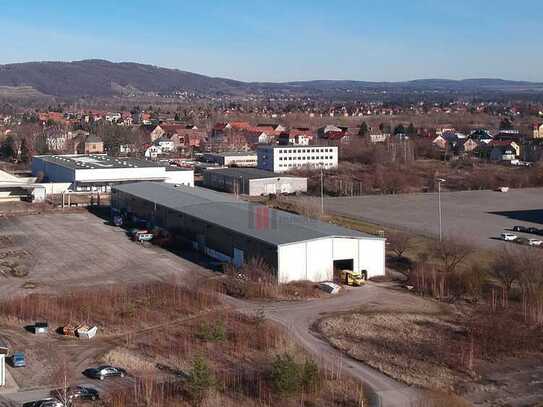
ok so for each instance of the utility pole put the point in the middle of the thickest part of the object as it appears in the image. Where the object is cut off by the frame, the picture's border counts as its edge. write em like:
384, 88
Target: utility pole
322, 190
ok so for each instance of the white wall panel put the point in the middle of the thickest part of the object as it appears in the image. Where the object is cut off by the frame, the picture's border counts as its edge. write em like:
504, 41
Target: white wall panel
320, 266
372, 256
292, 262
345, 249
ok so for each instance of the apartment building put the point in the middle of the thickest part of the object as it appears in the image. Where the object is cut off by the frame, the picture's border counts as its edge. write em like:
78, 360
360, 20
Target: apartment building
286, 158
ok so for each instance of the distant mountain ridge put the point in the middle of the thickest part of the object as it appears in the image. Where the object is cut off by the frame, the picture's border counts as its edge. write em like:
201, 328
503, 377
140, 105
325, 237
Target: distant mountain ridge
103, 78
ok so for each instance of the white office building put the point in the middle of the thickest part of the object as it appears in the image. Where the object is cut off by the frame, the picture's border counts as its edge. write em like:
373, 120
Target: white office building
285, 158
98, 172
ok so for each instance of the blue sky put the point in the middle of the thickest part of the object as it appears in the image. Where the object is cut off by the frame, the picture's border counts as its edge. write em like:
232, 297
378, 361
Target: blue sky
279, 40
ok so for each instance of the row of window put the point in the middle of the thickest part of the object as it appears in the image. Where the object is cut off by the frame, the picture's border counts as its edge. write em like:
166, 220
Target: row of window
302, 164
305, 150
306, 158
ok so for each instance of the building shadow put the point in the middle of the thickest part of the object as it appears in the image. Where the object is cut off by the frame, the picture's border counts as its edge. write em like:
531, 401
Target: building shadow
531, 215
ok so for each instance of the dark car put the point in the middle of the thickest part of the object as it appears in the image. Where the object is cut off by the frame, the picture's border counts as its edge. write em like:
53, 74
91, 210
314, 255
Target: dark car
532, 230
76, 392
44, 403
101, 372
520, 228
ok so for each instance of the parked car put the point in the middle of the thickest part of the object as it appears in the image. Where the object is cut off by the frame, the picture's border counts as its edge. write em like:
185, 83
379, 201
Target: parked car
76, 392
101, 372
535, 242
50, 402
508, 236
533, 230
520, 229
18, 359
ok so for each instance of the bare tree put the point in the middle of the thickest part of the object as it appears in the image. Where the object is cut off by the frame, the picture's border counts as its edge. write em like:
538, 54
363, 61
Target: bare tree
399, 242
505, 269
451, 253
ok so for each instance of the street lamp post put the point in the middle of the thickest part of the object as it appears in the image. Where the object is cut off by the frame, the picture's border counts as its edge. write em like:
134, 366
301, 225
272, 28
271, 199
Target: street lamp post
439, 181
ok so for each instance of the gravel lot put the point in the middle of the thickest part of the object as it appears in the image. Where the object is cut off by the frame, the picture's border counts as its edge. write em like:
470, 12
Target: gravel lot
477, 216
80, 249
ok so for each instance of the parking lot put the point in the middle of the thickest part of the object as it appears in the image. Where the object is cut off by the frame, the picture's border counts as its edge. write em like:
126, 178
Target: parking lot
476, 216
81, 249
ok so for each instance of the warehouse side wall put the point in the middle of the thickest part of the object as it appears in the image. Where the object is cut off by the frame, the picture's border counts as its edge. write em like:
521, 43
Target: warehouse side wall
372, 256
52, 172
213, 240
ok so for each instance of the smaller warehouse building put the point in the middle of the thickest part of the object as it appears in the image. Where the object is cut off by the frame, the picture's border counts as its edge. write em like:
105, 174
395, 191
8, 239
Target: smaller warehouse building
252, 181
98, 172
232, 158
295, 247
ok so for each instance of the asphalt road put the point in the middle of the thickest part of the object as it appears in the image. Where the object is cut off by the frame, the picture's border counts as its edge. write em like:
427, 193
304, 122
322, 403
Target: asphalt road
475, 216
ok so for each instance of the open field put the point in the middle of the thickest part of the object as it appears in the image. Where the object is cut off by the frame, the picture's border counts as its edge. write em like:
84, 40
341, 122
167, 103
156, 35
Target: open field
82, 250
489, 358
475, 216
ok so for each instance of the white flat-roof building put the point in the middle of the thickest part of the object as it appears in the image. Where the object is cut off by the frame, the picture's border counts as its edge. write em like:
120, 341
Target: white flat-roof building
98, 172
253, 182
285, 158
237, 158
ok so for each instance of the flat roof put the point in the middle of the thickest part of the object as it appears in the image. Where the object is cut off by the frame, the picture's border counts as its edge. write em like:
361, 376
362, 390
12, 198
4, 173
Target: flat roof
247, 173
96, 161
232, 153
275, 146
257, 221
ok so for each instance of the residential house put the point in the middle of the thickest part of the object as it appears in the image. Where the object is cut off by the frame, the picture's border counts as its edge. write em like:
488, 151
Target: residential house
481, 136
152, 151
469, 145
538, 131
127, 149
503, 150
274, 127
440, 142
93, 145
113, 117
378, 137
166, 145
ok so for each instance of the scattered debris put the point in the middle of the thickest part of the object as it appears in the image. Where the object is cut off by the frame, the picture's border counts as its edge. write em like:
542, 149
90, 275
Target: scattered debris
330, 288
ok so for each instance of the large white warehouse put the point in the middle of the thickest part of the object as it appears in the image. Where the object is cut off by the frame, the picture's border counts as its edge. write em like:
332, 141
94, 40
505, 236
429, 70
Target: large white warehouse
296, 248
98, 172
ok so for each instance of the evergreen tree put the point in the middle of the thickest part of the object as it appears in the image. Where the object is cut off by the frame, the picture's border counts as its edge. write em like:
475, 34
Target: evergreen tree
399, 129
26, 151
8, 149
364, 130
506, 124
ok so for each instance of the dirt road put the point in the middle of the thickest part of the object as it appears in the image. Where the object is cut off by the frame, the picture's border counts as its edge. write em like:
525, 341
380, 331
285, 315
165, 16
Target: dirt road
300, 317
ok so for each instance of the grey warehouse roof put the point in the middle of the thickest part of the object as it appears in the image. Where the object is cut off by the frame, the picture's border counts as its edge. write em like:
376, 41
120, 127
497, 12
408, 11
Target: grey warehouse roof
247, 173
272, 226
96, 161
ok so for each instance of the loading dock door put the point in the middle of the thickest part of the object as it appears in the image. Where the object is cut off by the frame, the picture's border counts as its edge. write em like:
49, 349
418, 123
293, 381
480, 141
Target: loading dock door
346, 264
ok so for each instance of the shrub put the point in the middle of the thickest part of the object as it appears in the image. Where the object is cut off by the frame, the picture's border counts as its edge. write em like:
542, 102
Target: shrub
285, 376
200, 381
311, 378
289, 377
214, 333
